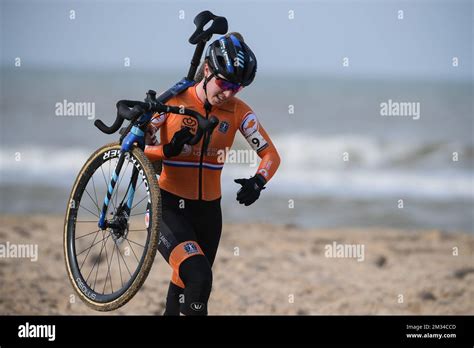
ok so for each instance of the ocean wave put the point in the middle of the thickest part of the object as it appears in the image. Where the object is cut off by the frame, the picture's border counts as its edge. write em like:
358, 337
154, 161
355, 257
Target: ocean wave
374, 169
44, 165
344, 151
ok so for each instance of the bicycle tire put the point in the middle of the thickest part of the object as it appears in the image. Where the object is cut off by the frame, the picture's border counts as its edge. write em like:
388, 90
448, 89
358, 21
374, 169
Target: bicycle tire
91, 297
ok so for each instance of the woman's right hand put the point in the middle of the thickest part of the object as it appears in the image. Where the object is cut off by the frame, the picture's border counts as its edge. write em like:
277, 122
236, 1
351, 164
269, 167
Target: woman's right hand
175, 146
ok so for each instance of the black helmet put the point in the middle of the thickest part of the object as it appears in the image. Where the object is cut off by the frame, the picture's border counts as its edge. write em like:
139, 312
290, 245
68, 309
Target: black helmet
233, 59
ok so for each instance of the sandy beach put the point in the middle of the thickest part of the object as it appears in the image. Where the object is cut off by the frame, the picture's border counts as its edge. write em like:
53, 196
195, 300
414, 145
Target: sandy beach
267, 269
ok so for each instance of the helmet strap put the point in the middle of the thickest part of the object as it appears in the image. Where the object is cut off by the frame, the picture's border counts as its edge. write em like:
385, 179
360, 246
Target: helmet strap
207, 104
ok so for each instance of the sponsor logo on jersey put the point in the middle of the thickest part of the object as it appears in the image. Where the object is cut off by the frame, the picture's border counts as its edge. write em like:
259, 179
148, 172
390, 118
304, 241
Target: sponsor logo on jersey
191, 123
249, 125
224, 127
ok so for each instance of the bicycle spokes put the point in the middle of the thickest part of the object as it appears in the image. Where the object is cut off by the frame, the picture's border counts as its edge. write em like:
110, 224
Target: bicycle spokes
108, 257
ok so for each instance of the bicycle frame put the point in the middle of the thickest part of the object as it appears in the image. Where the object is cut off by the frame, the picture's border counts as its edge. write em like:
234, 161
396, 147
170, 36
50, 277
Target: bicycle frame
136, 135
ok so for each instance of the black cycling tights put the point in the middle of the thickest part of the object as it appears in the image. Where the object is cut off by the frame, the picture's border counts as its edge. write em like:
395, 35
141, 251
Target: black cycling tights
189, 236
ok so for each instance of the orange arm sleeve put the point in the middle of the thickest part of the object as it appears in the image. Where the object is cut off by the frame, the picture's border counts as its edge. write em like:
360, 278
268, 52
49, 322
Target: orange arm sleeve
270, 157
154, 151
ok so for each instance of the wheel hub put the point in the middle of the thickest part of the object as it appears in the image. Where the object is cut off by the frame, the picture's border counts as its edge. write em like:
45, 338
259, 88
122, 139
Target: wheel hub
119, 225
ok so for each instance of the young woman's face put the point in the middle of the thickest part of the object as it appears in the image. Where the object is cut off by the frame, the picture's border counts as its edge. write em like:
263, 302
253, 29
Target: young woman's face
215, 94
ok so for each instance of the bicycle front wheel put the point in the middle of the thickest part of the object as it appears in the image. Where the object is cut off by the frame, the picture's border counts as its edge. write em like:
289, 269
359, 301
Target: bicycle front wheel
108, 266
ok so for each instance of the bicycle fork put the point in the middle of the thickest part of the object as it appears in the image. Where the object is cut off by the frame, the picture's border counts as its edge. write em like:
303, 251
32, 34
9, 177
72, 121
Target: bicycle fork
103, 223
135, 135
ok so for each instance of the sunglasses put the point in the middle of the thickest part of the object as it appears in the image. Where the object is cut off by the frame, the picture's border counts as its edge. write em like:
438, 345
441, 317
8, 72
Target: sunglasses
226, 85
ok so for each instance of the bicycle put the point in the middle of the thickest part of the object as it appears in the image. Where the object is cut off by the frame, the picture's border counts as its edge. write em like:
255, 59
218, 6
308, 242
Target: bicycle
127, 222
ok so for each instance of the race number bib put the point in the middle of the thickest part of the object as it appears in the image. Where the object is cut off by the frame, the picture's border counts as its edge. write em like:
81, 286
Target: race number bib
250, 130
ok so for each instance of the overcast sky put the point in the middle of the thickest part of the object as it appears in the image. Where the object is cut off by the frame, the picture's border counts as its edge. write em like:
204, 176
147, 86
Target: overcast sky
321, 34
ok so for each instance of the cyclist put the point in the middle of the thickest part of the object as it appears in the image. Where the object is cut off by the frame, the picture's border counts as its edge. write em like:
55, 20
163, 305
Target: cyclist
190, 180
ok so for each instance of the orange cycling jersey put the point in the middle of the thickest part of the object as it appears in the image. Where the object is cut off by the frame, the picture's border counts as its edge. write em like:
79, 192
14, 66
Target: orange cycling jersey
196, 175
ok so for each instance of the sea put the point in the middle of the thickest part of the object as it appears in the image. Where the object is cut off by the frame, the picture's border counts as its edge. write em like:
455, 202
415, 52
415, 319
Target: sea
345, 160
